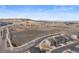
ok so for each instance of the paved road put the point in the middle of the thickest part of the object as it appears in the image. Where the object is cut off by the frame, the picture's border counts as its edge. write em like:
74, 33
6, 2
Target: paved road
59, 50
75, 49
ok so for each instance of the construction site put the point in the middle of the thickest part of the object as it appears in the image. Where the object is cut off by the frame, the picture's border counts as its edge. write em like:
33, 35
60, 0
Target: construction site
30, 36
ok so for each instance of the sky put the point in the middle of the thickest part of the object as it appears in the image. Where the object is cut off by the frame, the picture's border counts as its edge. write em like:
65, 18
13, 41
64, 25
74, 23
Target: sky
41, 12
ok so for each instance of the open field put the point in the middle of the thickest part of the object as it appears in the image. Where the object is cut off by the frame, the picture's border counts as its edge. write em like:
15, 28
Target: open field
24, 31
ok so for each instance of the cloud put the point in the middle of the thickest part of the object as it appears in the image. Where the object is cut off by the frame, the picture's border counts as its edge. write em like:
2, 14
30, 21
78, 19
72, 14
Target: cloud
46, 13
62, 8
